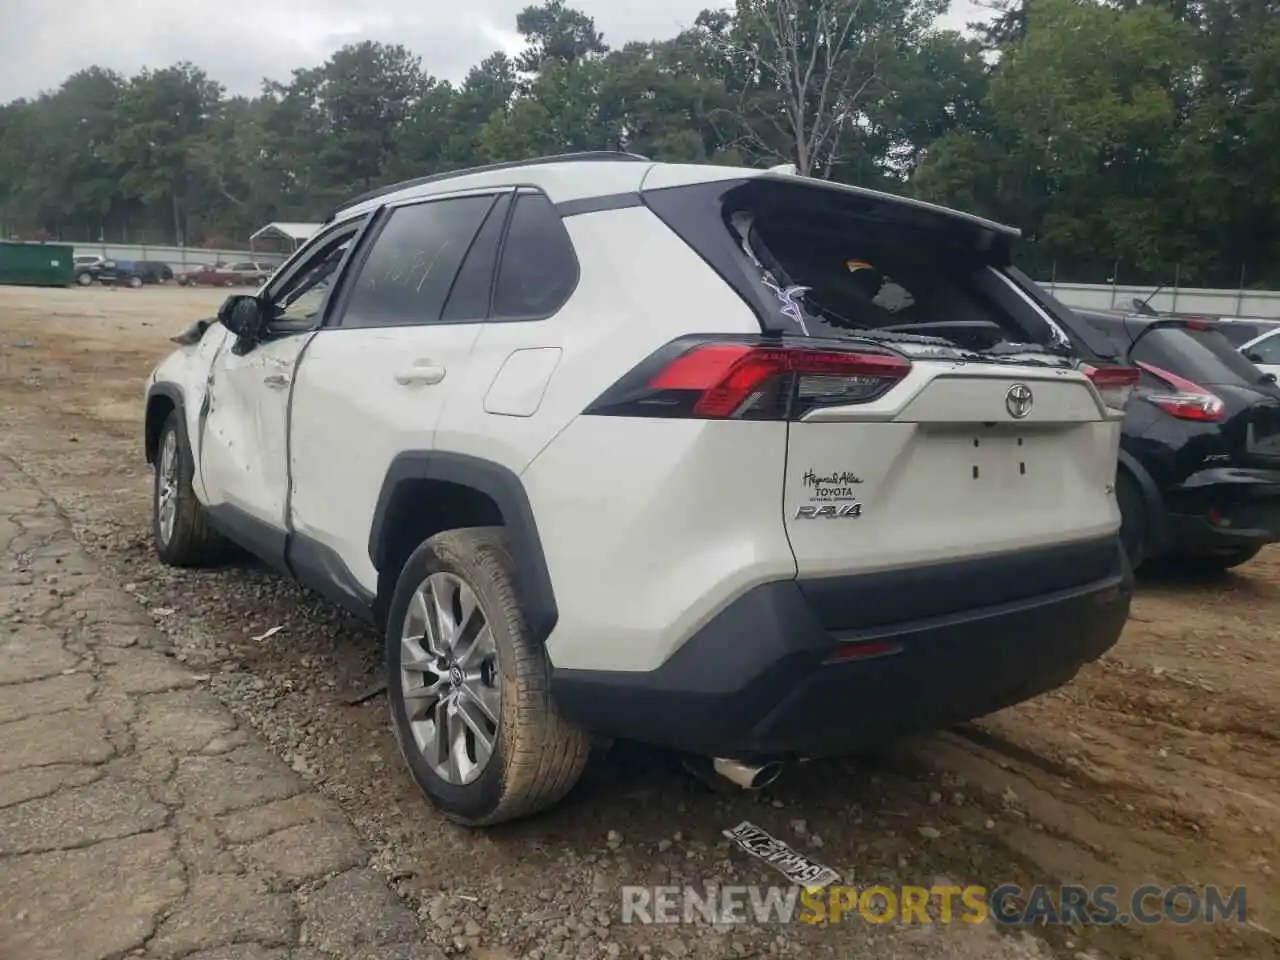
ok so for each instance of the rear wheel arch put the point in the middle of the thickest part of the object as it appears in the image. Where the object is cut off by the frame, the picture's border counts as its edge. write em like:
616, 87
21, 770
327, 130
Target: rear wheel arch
426, 492
1154, 525
162, 399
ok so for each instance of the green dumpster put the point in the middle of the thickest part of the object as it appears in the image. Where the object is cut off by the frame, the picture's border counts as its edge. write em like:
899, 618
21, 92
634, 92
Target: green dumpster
37, 264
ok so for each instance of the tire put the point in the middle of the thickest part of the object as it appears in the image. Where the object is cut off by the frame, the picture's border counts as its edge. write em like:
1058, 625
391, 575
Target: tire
187, 540
135, 282
1133, 518
1208, 564
537, 756
84, 279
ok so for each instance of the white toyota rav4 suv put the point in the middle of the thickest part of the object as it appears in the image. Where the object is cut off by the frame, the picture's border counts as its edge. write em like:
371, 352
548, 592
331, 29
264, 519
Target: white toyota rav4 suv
731, 461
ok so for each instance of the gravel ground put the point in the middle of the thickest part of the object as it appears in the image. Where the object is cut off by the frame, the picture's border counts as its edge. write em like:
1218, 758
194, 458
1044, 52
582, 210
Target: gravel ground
1159, 764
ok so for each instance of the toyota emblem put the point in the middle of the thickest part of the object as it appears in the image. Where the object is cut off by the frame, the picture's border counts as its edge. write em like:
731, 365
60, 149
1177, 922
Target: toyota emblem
1018, 401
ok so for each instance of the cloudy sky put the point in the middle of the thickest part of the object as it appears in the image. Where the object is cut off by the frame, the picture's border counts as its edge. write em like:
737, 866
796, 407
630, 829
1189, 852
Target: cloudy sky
241, 41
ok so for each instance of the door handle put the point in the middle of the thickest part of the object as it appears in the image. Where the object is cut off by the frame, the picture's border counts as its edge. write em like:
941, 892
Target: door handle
420, 374
277, 381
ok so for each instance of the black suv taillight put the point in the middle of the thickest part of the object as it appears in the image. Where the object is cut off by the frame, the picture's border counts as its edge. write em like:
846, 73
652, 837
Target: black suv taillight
751, 379
1185, 399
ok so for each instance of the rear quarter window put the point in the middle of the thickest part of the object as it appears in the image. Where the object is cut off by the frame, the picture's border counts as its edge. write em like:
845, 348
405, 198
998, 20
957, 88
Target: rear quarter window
1205, 356
1238, 334
539, 269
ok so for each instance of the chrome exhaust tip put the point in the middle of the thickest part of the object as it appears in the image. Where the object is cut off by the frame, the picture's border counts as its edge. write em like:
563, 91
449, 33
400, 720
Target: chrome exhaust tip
748, 776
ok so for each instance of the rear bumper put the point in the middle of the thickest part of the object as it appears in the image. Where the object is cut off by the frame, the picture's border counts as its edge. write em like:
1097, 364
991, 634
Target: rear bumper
1224, 509
759, 680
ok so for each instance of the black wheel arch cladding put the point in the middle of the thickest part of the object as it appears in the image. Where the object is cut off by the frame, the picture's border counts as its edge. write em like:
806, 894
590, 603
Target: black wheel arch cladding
1156, 523
505, 489
155, 419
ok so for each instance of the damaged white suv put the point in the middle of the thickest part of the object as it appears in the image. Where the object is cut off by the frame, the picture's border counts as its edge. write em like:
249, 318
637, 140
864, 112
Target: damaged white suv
731, 461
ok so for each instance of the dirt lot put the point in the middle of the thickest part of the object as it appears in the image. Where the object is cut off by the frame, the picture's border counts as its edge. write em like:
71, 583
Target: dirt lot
1159, 764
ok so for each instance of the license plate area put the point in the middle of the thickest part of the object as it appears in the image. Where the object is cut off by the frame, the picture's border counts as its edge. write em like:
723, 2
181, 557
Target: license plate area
1262, 436
998, 457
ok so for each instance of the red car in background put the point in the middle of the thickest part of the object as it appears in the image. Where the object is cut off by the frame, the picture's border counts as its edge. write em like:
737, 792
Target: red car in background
242, 274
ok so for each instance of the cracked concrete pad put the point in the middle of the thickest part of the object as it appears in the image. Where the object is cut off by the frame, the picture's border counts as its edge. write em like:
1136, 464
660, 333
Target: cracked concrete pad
76, 736
223, 909
145, 671
306, 852
39, 697
102, 602
249, 825
67, 904
63, 582
19, 786
183, 721
8, 532
201, 847
355, 911
153, 766
236, 738
104, 810
243, 778
61, 552
30, 653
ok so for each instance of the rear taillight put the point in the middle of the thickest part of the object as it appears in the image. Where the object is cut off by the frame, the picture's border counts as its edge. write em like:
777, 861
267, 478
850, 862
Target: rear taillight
1114, 383
1184, 399
750, 380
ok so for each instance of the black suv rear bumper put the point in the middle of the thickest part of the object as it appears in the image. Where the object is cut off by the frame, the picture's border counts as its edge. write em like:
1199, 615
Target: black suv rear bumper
766, 678
1225, 508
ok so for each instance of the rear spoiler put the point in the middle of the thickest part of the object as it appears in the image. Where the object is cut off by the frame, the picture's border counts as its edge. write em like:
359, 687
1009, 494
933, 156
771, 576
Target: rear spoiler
1166, 323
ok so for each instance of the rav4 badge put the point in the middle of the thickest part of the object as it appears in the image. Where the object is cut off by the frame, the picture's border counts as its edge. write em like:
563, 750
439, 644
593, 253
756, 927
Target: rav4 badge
829, 511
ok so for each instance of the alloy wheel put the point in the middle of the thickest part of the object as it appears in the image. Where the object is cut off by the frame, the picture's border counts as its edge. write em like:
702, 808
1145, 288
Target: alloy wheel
167, 487
449, 678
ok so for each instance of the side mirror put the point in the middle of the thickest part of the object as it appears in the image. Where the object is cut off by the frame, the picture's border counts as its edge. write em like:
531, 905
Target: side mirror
243, 315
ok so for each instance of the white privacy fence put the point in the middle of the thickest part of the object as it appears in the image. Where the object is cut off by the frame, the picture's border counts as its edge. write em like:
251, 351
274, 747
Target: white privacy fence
1211, 303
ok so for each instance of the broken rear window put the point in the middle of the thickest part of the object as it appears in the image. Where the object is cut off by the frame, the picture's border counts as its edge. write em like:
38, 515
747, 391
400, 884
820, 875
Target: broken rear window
826, 263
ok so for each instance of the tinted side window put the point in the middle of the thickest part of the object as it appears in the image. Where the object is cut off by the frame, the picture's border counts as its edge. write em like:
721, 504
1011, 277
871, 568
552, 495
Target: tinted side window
1238, 333
539, 269
410, 268
473, 287
1267, 350
1203, 356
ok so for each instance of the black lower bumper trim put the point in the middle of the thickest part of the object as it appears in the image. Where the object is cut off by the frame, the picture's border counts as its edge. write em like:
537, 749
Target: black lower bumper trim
756, 682
1225, 515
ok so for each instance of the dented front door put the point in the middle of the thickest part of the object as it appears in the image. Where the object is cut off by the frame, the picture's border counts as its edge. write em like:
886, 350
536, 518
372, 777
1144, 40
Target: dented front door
243, 448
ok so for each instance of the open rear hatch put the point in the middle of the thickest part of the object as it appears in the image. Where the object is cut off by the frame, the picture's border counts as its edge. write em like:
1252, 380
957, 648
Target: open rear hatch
989, 438
939, 410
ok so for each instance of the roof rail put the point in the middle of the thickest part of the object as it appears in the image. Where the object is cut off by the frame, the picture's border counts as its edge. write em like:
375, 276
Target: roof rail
585, 155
